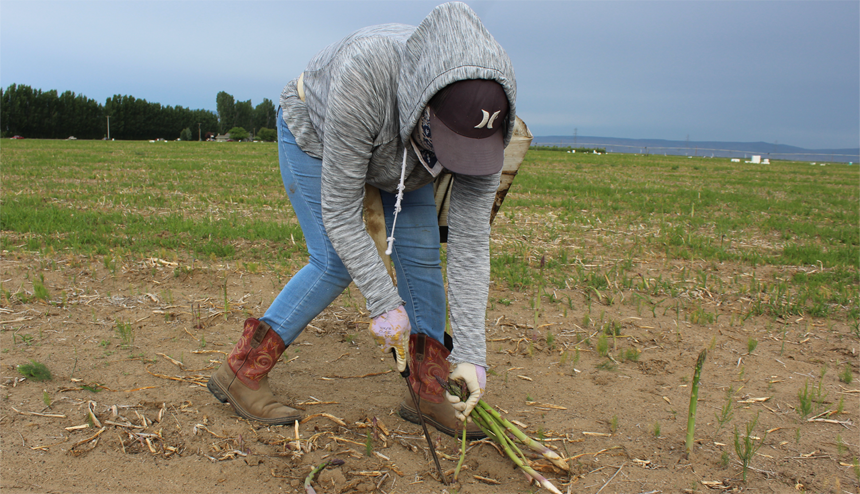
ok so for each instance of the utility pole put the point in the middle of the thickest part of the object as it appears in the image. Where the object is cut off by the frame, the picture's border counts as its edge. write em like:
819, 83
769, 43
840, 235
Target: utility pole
575, 131
108, 123
198, 132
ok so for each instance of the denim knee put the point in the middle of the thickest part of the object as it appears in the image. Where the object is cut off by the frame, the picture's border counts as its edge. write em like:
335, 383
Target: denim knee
331, 268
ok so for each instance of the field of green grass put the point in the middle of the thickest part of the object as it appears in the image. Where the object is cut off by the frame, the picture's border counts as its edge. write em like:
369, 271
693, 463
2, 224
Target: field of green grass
592, 218
141, 198
796, 222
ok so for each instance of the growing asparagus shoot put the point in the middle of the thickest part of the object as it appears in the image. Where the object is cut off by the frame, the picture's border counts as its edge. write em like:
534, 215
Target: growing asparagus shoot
694, 400
317, 469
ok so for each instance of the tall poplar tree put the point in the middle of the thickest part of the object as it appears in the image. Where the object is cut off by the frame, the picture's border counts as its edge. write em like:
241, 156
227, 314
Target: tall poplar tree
226, 107
264, 115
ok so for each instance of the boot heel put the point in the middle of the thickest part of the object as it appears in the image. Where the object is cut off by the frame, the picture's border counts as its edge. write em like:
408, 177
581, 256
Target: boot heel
216, 391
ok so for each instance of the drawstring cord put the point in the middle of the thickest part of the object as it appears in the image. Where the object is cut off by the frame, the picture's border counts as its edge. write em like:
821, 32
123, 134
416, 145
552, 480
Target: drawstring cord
400, 188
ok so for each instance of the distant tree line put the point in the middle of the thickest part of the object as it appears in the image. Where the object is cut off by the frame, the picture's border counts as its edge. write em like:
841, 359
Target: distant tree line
132, 118
232, 114
34, 113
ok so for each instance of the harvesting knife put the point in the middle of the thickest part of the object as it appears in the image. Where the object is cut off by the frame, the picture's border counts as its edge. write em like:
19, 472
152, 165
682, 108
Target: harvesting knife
405, 375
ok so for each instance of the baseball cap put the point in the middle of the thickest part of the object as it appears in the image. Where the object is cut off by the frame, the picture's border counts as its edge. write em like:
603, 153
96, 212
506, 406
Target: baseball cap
467, 122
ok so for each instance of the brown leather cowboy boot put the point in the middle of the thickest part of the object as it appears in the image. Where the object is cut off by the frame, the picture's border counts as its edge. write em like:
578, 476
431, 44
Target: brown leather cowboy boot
243, 380
428, 360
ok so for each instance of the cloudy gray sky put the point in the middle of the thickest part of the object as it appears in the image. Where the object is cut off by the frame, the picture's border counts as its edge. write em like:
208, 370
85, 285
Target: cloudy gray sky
786, 71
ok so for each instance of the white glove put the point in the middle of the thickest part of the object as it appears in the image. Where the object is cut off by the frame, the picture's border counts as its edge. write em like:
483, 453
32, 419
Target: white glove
391, 330
475, 377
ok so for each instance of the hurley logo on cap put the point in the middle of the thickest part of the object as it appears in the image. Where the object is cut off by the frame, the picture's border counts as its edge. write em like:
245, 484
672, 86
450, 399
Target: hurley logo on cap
487, 120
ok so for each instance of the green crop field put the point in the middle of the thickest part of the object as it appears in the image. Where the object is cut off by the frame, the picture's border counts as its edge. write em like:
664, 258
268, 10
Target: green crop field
592, 218
141, 198
596, 217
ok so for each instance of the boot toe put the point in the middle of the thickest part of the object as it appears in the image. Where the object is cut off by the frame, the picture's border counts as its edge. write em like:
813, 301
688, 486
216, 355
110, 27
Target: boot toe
260, 404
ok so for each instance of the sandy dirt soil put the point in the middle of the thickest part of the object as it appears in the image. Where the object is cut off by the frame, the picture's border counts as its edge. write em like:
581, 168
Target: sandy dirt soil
154, 426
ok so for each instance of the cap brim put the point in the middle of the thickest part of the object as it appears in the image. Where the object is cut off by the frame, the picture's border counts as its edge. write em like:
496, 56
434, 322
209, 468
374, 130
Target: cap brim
465, 155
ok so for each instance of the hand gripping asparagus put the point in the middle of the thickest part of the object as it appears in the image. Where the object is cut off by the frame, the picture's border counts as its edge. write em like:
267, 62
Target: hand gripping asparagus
497, 429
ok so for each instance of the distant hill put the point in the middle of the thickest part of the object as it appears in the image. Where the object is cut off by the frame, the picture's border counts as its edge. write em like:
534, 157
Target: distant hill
704, 148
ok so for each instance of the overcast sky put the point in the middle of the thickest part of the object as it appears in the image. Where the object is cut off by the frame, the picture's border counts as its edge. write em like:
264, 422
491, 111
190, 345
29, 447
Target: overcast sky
786, 71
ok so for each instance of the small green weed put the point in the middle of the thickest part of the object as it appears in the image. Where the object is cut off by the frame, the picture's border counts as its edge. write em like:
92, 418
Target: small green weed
125, 333
724, 416
846, 375
820, 395
804, 409
702, 317
752, 343
746, 445
27, 339
603, 346
631, 354
39, 290
92, 388
35, 371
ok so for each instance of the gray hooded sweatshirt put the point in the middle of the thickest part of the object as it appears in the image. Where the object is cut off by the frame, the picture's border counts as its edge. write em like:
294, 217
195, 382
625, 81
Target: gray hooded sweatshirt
362, 98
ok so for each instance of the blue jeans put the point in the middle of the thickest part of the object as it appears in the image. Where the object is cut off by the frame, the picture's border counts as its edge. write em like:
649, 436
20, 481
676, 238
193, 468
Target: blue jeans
315, 286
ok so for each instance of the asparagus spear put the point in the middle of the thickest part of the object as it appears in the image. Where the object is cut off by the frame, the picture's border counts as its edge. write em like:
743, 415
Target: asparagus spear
535, 446
462, 455
317, 469
497, 428
509, 448
694, 400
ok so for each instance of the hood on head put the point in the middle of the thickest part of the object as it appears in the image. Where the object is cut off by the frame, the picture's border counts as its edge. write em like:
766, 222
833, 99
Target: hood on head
451, 44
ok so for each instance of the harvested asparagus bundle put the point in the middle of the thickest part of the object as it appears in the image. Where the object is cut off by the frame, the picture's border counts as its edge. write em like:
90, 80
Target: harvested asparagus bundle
507, 435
